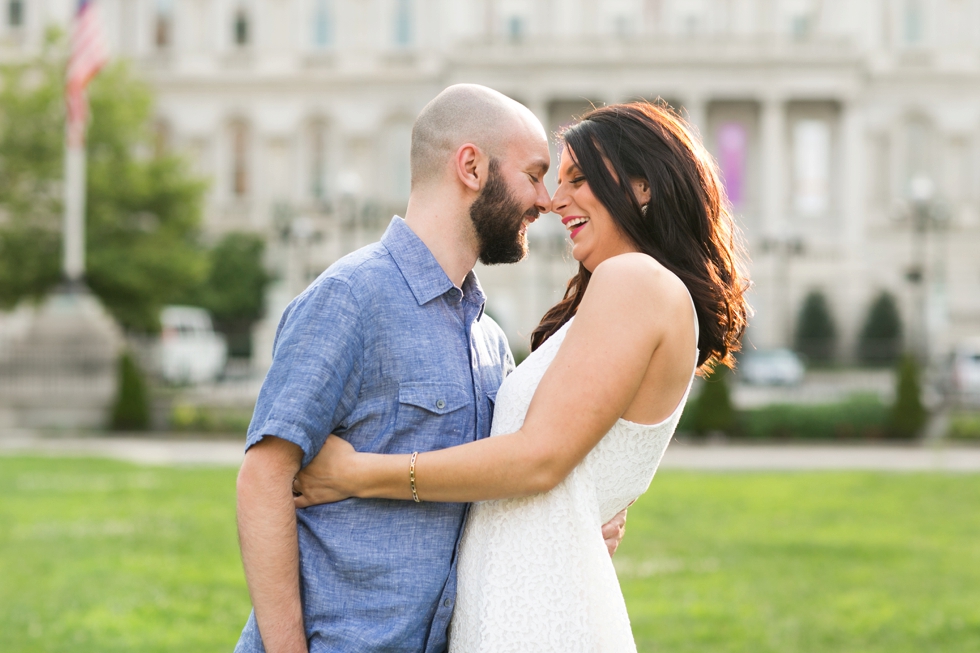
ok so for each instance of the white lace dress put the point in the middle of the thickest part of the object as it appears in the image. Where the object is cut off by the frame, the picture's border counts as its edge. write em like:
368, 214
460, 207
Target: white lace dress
534, 573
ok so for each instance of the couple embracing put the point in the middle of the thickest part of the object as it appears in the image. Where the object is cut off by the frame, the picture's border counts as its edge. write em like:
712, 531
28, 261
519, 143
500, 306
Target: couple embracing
374, 512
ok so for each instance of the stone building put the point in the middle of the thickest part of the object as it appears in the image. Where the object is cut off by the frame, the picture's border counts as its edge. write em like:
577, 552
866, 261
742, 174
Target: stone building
848, 131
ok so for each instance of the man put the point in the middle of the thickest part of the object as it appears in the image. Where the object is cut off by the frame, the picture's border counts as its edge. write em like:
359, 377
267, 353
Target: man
391, 350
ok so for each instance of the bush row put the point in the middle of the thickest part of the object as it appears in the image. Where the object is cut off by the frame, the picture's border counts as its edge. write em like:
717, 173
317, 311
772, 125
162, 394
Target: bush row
860, 416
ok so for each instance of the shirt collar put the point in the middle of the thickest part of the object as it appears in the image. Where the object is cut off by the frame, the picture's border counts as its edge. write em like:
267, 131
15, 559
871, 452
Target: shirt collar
473, 292
422, 272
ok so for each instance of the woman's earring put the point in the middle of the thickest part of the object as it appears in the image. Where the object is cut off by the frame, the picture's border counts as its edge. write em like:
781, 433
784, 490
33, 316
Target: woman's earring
643, 210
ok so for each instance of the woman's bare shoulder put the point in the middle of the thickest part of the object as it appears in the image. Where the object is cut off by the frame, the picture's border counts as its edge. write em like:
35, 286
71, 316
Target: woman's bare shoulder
636, 276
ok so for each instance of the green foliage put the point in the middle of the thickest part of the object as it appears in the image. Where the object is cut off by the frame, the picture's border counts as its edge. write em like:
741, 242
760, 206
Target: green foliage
713, 410
204, 419
816, 334
235, 288
131, 411
908, 415
964, 426
861, 416
142, 210
880, 341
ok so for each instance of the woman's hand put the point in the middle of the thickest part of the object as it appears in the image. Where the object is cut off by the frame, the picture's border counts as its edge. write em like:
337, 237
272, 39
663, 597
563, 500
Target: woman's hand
327, 478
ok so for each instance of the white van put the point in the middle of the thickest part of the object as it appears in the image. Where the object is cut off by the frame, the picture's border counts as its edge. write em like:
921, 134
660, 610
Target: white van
190, 350
966, 368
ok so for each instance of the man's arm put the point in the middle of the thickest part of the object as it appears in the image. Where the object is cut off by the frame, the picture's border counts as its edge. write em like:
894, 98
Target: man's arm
267, 536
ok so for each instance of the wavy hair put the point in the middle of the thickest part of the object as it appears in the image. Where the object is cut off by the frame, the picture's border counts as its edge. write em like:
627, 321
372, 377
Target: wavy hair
686, 226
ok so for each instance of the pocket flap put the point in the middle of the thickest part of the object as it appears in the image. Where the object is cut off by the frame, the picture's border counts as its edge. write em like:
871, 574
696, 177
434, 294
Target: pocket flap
438, 398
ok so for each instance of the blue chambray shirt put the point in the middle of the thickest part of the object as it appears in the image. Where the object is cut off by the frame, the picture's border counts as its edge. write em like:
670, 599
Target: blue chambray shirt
384, 351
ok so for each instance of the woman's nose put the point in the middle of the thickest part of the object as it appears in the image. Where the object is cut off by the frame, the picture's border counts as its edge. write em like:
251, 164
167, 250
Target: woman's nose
558, 201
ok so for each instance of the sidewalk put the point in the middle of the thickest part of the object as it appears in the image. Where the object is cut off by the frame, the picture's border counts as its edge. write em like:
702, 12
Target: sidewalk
158, 450
144, 450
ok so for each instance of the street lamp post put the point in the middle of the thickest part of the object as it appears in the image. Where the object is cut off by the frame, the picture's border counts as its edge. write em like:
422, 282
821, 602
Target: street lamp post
926, 217
784, 248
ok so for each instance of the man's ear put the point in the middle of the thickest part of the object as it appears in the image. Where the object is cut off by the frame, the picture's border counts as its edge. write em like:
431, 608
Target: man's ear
470, 165
641, 189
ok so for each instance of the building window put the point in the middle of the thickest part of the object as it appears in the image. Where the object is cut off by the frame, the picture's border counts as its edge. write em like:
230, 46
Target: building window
882, 152
241, 28
399, 146
733, 147
811, 167
163, 25
515, 29
318, 161
918, 144
239, 159
15, 13
914, 28
323, 23
403, 22
162, 137
800, 26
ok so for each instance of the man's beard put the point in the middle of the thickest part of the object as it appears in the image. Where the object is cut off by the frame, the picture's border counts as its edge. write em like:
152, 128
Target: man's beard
498, 219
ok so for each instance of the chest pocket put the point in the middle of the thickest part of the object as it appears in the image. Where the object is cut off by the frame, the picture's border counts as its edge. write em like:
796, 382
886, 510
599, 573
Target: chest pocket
434, 414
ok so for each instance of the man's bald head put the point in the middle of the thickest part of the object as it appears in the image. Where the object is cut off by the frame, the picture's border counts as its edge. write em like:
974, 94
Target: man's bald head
465, 113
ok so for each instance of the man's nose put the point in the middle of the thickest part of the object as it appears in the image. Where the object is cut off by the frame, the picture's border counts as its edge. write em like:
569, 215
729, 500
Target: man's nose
543, 200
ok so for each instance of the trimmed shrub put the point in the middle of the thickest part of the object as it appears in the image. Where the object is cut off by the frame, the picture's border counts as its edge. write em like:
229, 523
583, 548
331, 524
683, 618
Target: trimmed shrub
908, 415
880, 341
861, 416
131, 411
965, 426
816, 334
713, 410
207, 419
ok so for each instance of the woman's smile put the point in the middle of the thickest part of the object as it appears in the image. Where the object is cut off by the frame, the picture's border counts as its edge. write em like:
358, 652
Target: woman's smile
574, 224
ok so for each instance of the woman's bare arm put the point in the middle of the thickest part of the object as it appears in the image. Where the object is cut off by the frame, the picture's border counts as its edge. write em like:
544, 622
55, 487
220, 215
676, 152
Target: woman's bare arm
589, 385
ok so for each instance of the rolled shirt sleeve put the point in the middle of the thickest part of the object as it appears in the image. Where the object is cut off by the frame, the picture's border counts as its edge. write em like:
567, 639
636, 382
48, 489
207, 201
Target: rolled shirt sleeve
312, 385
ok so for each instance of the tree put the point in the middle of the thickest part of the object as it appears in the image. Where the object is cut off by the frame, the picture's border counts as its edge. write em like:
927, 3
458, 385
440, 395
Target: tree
143, 208
131, 412
235, 288
880, 341
816, 334
908, 415
713, 410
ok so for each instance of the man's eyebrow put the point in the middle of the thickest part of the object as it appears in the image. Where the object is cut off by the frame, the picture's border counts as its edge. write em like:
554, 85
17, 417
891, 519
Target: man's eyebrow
542, 165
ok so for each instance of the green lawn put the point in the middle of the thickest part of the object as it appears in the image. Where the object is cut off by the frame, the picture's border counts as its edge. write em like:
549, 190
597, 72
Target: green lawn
98, 556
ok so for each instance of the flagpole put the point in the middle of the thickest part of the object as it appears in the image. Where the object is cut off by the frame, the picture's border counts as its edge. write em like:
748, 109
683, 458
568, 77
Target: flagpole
88, 54
73, 259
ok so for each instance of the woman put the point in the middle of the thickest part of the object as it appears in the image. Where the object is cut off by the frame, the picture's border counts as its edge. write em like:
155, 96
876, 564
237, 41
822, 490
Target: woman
581, 425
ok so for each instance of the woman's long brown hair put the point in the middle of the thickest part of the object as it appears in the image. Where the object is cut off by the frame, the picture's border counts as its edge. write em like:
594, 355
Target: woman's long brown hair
686, 226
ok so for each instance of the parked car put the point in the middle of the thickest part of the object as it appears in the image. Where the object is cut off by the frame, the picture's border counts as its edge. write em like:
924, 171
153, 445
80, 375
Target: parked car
190, 350
771, 367
966, 367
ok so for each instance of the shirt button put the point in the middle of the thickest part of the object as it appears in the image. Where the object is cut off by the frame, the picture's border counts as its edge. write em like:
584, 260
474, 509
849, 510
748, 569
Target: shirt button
441, 403
447, 602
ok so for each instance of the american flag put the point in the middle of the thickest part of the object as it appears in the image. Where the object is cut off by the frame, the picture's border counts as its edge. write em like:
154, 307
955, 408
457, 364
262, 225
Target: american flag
88, 54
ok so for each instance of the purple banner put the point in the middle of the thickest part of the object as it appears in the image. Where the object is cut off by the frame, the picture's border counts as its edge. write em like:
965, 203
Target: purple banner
733, 141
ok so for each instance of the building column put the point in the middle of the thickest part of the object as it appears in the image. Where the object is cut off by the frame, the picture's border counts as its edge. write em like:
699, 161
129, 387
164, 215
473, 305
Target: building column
774, 179
779, 323
696, 108
851, 177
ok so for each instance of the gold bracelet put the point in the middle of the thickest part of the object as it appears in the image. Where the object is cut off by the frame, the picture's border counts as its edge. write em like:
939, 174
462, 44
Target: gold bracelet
411, 477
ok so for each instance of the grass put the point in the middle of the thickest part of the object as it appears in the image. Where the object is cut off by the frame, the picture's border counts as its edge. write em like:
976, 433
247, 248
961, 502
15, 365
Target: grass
833, 562
100, 556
